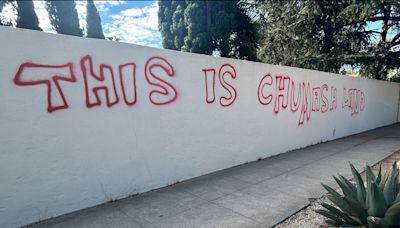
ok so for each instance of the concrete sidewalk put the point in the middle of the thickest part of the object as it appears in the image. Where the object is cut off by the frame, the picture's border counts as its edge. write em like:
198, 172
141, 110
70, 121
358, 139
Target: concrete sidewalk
257, 194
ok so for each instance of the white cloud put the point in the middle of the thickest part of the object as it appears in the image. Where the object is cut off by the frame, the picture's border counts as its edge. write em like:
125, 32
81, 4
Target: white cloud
43, 16
136, 25
101, 7
111, 2
9, 13
81, 9
115, 3
105, 5
133, 12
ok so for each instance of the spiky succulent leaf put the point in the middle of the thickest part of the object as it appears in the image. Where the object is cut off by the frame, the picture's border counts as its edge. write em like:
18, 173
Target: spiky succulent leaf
390, 188
397, 200
357, 220
379, 176
348, 190
348, 219
348, 183
352, 210
392, 215
369, 174
376, 201
397, 181
342, 204
338, 200
376, 204
361, 192
383, 180
330, 216
370, 177
358, 208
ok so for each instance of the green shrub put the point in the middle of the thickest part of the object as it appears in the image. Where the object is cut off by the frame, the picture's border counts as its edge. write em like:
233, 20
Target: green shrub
375, 205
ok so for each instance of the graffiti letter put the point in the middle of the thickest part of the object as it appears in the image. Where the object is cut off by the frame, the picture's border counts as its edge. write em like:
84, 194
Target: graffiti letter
305, 108
355, 102
315, 100
333, 98
210, 85
33, 74
281, 92
324, 99
230, 70
165, 92
362, 101
345, 99
294, 104
266, 80
94, 83
127, 76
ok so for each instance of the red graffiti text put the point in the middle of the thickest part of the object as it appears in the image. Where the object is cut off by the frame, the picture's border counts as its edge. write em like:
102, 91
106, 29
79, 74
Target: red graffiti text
225, 71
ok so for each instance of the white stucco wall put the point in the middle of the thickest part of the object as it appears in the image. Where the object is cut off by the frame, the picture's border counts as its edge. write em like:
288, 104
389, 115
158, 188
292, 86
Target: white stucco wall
59, 156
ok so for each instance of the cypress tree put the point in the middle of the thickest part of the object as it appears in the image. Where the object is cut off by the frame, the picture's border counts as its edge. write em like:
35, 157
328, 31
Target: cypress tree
26, 15
165, 22
64, 17
94, 29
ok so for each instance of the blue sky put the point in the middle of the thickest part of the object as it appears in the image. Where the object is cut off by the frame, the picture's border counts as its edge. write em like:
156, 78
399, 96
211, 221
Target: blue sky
130, 21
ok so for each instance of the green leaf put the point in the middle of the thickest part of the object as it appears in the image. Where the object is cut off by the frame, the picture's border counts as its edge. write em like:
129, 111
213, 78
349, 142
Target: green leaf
342, 215
379, 177
383, 181
397, 200
390, 188
342, 204
359, 210
392, 215
369, 174
347, 205
330, 216
370, 177
337, 199
361, 192
376, 201
331, 190
357, 220
348, 183
348, 190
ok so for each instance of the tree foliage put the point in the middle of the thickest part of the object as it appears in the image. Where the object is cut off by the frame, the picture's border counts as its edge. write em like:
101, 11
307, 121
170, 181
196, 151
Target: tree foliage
329, 34
94, 29
26, 15
64, 17
207, 26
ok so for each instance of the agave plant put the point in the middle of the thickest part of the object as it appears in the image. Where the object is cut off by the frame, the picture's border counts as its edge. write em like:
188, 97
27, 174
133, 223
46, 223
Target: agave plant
375, 205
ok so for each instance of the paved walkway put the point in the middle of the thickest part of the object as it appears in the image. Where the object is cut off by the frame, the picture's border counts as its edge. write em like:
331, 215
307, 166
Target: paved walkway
258, 194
